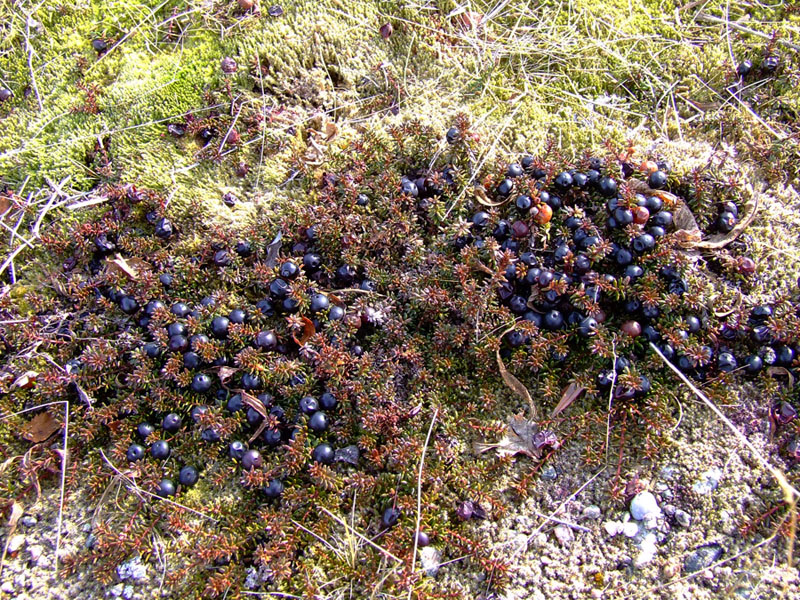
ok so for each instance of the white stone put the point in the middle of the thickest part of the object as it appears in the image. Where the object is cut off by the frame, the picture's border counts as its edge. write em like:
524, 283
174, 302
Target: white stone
430, 559
643, 504
7, 587
35, 552
564, 535
133, 570
613, 528
683, 518
647, 550
630, 529
708, 481
15, 543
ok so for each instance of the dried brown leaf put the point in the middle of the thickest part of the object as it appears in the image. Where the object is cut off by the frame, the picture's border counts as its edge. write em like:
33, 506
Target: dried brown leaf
308, 332
26, 380
519, 439
225, 373
782, 372
480, 195
129, 268
40, 428
515, 384
571, 393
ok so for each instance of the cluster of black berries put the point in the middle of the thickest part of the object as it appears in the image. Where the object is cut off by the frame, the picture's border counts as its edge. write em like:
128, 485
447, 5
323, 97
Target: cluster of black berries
728, 217
196, 333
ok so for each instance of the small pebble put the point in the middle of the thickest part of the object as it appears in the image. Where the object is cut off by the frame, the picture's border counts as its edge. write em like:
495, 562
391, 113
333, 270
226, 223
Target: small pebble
29, 521
702, 558
35, 552
549, 473
7, 587
630, 529
683, 518
647, 550
708, 482
643, 504
613, 528
564, 535
591, 512
15, 543
430, 558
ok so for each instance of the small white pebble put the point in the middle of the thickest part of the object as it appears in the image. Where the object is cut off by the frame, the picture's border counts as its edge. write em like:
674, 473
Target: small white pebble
647, 551
643, 504
15, 543
630, 529
613, 528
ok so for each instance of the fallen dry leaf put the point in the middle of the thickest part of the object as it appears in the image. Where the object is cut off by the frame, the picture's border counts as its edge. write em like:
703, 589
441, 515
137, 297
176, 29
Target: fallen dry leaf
129, 268
687, 231
308, 332
40, 428
523, 436
225, 373
26, 380
480, 195
515, 384
782, 372
571, 393
273, 250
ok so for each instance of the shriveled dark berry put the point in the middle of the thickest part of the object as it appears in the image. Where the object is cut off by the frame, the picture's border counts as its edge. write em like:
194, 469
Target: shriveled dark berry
743, 68
222, 258
164, 229
784, 413
390, 517
274, 489
770, 63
